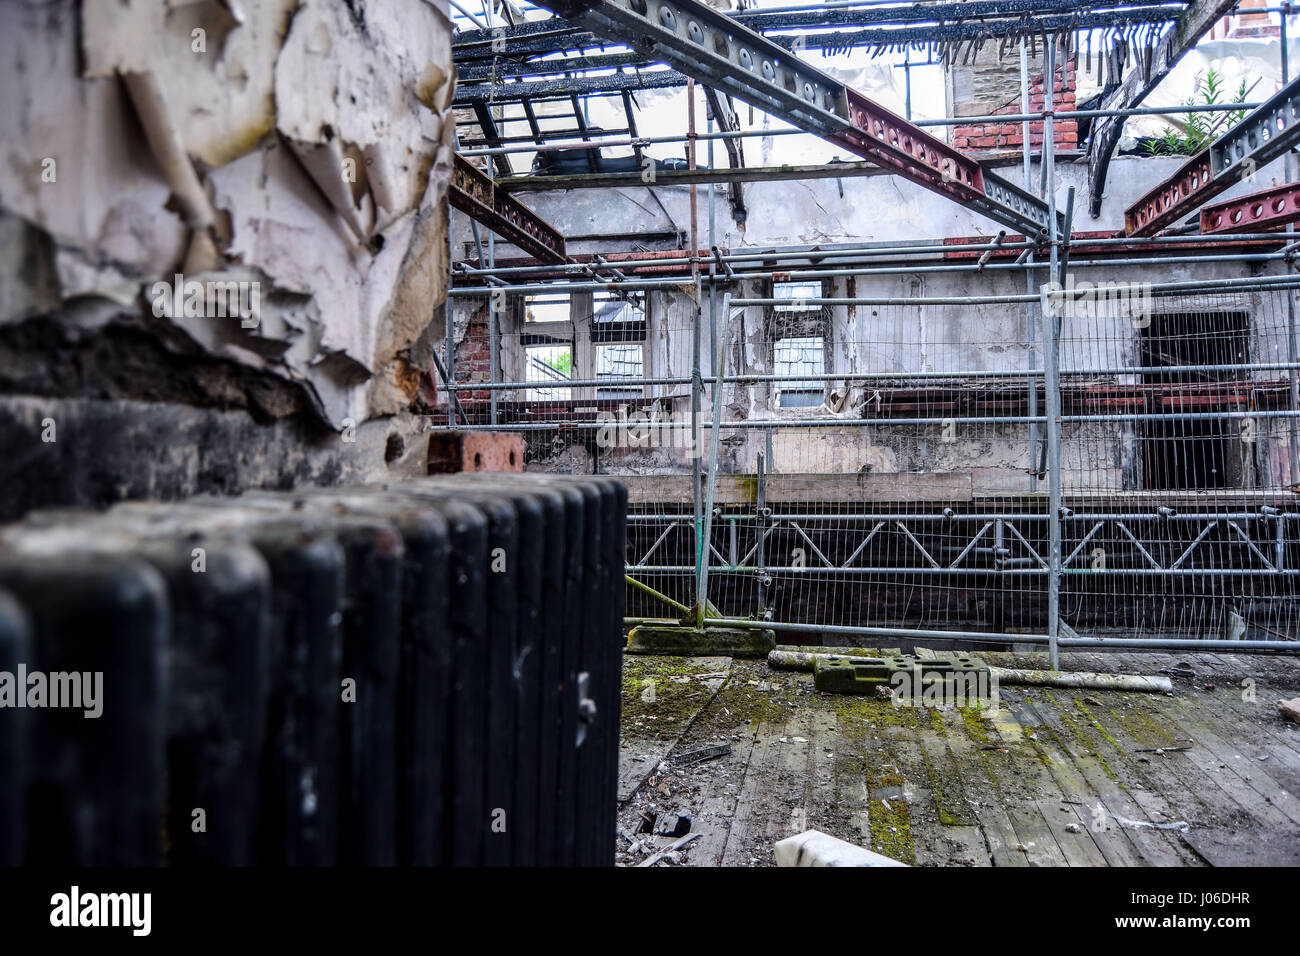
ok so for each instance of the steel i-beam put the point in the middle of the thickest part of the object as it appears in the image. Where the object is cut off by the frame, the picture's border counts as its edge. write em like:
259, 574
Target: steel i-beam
720, 53
1258, 211
473, 193
1268, 132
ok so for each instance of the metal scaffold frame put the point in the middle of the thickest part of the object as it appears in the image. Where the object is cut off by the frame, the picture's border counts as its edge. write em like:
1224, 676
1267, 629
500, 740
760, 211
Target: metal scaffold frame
1050, 544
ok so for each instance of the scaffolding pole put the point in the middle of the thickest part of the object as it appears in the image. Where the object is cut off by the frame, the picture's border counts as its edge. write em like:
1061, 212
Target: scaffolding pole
1052, 380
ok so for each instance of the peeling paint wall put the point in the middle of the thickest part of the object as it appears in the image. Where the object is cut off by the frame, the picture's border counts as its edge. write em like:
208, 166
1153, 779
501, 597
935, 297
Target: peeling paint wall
300, 146
236, 205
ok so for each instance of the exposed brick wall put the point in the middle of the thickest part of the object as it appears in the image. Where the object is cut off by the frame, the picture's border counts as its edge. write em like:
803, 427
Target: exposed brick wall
1010, 135
473, 355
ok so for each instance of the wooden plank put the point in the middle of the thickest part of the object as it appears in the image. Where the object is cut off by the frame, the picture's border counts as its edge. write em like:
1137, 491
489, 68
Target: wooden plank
967, 847
1078, 796
747, 706
819, 789
761, 805
946, 787
796, 767
788, 489
1280, 738
1155, 846
1015, 728
1171, 790
981, 793
1224, 763
719, 795
721, 787
924, 793
1077, 845
1010, 763
1258, 729
1143, 778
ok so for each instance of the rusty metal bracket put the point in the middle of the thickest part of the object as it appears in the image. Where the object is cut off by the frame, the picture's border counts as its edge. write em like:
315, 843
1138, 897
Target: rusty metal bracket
473, 193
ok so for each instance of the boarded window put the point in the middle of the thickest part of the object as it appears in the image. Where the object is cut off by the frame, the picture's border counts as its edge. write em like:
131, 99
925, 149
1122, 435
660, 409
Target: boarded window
800, 355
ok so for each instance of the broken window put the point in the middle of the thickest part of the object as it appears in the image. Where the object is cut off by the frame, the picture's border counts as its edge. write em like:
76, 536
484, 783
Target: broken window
620, 362
796, 296
618, 335
547, 338
547, 308
800, 331
549, 363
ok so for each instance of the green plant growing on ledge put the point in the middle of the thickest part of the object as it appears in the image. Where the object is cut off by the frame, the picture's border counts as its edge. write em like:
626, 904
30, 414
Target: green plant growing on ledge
1198, 130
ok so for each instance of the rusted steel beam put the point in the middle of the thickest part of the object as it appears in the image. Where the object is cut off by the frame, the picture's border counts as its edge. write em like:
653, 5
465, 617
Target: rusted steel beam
1176, 197
1267, 133
473, 193
719, 52
1258, 211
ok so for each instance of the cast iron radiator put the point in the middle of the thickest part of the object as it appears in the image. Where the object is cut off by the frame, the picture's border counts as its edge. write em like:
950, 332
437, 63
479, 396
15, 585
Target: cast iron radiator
422, 673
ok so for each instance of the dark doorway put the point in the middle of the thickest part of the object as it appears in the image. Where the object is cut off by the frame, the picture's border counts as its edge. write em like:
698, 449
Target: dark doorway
1198, 452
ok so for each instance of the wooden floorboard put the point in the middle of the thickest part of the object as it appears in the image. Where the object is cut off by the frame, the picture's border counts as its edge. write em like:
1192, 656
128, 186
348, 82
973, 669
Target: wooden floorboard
1078, 794
1052, 777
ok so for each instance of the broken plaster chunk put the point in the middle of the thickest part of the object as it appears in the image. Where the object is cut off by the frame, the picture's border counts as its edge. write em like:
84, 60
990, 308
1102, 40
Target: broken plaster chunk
1290, 709
814, 848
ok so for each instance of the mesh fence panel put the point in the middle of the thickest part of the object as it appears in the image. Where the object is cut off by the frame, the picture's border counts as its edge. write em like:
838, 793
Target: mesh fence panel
886, 465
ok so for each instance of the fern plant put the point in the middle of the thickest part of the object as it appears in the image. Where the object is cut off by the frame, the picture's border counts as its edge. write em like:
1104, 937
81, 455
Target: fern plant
1198, 130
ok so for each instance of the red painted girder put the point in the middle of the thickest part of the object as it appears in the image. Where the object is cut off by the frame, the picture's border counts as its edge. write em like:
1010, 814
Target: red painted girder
1261, 210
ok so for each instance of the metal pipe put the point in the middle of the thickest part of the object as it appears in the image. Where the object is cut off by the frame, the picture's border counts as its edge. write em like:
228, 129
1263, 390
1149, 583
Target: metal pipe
1052, 378
532, 146
1253, 284
1170, 644
760, 549
985, 637
713, 451
473, 19
676, 605
897, 422
1292, 346
697, 378
921, 635
905, 376
982, 517
794, 275
449, 320
886, 249
1024, 108
493, 347
967, 572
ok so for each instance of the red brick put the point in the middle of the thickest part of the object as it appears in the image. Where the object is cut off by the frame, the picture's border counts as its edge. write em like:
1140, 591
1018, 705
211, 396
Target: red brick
455, 451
